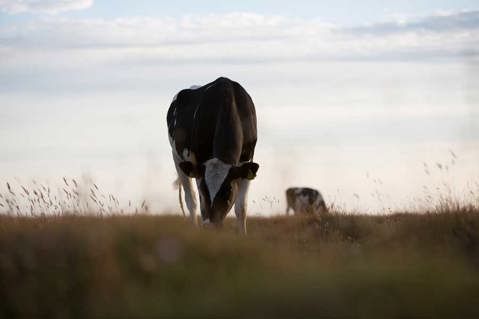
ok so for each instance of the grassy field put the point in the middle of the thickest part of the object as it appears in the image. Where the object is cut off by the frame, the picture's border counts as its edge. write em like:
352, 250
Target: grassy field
336, 266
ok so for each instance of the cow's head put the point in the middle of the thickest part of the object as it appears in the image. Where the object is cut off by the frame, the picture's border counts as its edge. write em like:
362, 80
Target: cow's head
218, 185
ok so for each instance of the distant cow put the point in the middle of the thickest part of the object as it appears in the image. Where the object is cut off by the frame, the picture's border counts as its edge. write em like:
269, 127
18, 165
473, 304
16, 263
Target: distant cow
304, 200
212, 131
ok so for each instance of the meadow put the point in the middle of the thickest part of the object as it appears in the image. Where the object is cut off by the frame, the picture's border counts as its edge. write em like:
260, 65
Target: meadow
403, 265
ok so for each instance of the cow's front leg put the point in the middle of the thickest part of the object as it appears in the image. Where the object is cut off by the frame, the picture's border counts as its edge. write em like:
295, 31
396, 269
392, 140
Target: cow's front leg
190, 195
241, 205
204, 217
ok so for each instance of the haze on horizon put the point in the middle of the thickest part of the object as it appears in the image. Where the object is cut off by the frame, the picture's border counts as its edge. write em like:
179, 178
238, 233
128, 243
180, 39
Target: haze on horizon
360, 101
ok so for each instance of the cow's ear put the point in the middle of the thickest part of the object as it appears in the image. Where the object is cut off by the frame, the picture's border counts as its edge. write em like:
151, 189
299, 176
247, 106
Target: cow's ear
247, 170
191, 170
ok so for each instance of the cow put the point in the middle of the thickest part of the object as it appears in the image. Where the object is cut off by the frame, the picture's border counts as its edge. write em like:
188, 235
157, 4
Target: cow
212, 133
304, 200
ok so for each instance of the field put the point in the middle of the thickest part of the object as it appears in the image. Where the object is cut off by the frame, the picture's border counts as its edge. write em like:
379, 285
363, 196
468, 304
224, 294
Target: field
333, 266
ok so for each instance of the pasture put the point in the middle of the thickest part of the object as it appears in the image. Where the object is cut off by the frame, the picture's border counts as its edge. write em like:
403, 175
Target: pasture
243, 112
423, 265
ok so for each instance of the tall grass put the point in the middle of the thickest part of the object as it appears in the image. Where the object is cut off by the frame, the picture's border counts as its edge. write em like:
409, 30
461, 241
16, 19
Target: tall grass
336, 265
72, 197
75, 251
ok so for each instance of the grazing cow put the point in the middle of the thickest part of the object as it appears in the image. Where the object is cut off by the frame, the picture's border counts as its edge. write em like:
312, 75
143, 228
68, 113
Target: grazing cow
304, 200
212, 131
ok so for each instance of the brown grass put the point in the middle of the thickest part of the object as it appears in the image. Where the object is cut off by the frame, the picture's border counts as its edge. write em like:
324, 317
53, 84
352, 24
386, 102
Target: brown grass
402, 265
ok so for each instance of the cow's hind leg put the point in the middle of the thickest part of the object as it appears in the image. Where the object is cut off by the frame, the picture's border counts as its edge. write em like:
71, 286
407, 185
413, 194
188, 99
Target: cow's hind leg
241, 205
288, 205
190, 195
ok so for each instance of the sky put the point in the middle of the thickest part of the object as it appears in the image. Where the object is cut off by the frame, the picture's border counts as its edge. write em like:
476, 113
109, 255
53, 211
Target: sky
357, 99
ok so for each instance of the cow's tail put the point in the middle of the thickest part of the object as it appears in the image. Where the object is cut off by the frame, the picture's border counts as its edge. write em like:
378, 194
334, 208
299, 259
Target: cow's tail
177, 183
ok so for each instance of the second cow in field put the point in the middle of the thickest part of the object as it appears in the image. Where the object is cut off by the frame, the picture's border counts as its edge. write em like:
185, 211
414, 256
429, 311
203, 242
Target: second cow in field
212, 131
304, 200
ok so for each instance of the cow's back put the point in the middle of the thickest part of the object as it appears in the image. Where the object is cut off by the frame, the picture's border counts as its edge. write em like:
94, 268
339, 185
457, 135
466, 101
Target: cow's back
217, 120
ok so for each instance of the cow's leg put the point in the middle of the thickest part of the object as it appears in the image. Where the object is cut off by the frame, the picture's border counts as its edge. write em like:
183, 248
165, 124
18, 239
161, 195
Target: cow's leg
190, 195
297, 207
205, 219
241, 205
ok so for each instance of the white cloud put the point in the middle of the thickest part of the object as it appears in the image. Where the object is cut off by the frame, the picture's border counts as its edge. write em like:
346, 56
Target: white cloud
439, 22
43, 6
55, 44
241, 38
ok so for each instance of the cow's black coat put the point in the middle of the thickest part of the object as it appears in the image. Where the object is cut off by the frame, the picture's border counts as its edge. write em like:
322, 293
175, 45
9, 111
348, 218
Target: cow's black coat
217, 120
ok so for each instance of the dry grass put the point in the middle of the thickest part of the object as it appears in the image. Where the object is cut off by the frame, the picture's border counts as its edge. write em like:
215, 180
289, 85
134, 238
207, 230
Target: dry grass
402, 265
72, 197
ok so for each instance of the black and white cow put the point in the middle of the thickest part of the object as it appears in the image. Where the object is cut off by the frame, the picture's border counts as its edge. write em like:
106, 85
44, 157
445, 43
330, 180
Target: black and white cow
304, 200
212, 131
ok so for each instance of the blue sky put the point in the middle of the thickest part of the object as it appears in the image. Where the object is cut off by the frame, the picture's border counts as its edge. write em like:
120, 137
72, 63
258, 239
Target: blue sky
343, 89
344, 12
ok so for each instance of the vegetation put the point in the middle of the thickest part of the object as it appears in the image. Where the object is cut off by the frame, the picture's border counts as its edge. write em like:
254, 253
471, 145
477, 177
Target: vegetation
336, 265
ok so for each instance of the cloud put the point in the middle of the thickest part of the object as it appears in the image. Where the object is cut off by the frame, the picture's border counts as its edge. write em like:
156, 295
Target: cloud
43, 6
442, 22
234, 38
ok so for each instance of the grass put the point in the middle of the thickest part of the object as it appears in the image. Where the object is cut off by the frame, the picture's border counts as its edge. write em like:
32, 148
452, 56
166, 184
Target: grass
336, 266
